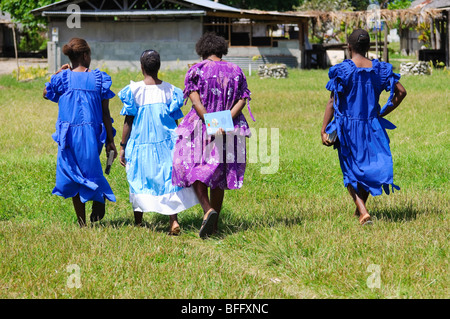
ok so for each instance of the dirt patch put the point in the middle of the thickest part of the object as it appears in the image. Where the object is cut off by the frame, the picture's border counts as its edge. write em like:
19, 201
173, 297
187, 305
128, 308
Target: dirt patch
7, 65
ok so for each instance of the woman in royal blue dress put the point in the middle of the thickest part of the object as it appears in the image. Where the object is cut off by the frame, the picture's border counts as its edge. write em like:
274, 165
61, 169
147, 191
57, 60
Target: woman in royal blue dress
84, 124
354, 112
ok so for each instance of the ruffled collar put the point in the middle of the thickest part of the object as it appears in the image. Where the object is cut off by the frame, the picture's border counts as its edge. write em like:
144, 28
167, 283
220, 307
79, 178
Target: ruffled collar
352, 64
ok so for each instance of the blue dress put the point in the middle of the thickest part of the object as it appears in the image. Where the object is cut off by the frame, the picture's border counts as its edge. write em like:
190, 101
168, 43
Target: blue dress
363, 143
80, 133
150, 147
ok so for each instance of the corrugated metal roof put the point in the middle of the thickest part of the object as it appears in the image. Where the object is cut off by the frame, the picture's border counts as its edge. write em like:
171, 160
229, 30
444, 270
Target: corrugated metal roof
200, 4
140, 13
431, 4
213, 5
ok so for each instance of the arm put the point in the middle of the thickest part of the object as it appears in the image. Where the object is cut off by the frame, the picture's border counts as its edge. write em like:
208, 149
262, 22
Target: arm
110, 146
237, 108
329, 112
399, 95
197, 104
127, 126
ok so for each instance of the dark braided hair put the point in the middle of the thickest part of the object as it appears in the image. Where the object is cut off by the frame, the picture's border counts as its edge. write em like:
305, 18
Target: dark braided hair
150, 62
359, 40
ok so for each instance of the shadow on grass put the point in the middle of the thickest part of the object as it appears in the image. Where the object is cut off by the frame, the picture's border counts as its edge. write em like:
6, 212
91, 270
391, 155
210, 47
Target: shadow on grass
399, 214
229, 223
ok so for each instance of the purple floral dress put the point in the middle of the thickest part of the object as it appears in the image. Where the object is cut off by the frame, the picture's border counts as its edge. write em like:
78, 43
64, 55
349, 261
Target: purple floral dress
217, 161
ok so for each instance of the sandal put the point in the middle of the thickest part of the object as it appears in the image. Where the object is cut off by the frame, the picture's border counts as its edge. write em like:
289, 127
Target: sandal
207, 227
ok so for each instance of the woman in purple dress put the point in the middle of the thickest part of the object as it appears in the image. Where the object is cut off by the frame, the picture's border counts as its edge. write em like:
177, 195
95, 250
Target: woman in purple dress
216, 162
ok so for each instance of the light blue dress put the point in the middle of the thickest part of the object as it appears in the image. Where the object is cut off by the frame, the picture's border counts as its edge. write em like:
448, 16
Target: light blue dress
363, 143
80, 133
149, 150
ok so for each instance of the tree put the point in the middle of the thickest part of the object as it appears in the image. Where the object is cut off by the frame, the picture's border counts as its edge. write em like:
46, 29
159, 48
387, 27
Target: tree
20, 11
399, 4
360, 5
326, 5
31, 38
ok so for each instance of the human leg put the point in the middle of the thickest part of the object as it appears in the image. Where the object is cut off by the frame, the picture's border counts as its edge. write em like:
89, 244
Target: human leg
138, 218
174, 227
364, 216
80, 210
98, 211
201, 190
217, 195
364, 196
209, 214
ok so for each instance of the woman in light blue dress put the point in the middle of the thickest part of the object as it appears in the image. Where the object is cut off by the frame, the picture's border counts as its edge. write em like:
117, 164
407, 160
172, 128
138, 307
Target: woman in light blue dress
84, 125
152, 108
354, 112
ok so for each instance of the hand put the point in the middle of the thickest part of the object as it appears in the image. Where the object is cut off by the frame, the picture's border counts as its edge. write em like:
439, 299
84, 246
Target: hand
64, 67
111, 147
122, 159
220, 131
325, 139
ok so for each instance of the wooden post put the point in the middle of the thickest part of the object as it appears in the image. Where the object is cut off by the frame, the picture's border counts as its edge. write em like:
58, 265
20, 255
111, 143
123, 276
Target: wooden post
229, 32
385, 47
432, 36
15, 50
301, 40
376, 43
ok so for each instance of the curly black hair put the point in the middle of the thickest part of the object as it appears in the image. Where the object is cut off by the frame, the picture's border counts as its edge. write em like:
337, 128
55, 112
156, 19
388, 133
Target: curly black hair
359, 41
210, 44
150, 62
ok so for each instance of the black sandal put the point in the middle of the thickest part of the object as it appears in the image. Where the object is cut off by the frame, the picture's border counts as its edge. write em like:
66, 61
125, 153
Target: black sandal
207, 228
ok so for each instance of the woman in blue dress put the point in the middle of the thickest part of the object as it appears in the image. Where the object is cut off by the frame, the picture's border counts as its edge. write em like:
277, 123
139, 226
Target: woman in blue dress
84, 124
354, 112
152, 108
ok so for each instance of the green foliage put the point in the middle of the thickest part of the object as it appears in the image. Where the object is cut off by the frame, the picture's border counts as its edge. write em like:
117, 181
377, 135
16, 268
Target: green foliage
325, 5
31, 73
360, 5
399, 4
32, 40
20, 11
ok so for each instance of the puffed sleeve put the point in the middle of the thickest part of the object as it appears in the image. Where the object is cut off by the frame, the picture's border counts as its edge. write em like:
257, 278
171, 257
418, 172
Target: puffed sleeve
106, 92
191, 81
388, 81
55, 88
337, 76
127, 98
176, 104
243, 91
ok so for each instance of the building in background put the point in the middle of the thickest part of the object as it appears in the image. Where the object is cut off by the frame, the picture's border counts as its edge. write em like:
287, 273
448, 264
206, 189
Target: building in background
118, 31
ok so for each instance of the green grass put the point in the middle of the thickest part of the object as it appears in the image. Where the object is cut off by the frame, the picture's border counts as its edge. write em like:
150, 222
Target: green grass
284, 235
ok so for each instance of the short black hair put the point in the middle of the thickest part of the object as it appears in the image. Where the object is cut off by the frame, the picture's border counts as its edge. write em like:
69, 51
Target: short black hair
150, 62
210, 44
359, 40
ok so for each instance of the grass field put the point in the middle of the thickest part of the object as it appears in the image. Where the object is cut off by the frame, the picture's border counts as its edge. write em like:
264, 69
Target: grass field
291, 234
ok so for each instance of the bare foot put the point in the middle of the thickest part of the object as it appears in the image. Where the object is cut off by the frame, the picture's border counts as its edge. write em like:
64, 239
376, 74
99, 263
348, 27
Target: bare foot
174, 228
365, 219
